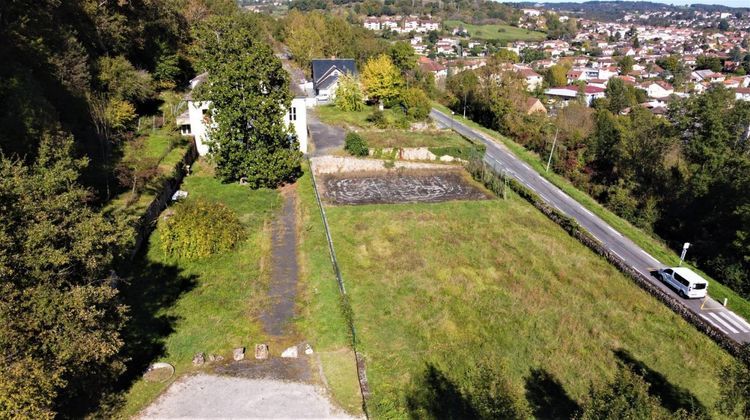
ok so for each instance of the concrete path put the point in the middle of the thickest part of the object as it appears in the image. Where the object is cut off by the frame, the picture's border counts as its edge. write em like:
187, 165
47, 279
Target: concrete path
500, 158
212, 397
326, 139
282, 289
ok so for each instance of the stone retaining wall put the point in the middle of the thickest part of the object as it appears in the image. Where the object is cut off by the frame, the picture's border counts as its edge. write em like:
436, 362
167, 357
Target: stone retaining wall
338, 164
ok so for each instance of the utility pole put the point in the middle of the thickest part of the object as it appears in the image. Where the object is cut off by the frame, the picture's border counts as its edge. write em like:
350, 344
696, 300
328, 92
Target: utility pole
554, 142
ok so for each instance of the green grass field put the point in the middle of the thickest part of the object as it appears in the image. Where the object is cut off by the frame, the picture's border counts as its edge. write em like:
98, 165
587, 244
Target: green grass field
448, 284
330, 114
322, 321
401, 138
497, 32
180, 308
650, 244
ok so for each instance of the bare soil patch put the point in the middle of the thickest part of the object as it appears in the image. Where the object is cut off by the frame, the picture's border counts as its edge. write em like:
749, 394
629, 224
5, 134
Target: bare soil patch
404, 186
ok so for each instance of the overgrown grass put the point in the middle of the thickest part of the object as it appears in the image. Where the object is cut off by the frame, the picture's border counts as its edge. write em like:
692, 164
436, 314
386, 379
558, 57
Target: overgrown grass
405, 138
322, 319
497, 31
180, 308
332, 115
168, 148
447, 284
653, 245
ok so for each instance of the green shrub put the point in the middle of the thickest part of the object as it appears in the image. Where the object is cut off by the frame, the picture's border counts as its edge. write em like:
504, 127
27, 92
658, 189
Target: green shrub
378, 119
200, 228
416, 104
355, 144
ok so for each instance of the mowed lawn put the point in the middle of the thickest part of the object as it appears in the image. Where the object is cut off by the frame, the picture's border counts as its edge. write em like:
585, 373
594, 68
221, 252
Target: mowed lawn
453, 283
180, 308
497, 31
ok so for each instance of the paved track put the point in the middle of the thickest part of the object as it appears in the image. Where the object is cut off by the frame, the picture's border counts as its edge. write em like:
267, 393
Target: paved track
500, 158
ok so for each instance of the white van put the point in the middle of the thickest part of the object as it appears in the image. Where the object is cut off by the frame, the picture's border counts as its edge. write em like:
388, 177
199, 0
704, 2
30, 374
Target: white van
685, 281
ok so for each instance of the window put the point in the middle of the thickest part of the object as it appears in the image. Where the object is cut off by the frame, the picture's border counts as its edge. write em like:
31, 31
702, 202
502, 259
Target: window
681, 279
293, 114
699, 286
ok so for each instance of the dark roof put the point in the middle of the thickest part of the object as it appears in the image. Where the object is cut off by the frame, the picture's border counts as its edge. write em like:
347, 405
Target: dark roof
321, 69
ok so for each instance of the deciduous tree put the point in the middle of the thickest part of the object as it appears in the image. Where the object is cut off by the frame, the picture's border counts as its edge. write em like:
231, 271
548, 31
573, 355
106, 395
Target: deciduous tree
250, 96
382, 80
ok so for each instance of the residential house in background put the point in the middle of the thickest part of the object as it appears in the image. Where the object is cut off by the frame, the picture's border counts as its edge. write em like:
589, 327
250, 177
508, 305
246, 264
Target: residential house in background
196, 121
326, 75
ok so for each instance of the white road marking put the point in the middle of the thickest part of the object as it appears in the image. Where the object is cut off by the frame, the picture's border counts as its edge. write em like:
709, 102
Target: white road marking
737, 320
713, 323
724, 323
649, 255
612, 229
618, 255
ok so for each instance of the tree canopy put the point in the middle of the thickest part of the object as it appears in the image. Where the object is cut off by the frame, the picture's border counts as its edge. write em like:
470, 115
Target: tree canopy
250, 96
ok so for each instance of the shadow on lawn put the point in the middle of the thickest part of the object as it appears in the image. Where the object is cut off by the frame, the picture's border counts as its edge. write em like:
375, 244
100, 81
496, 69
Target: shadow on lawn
547, 397
437, 396
150, 289
673, 397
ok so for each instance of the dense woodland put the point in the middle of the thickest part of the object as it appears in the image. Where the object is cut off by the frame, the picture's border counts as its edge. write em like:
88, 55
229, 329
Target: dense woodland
684, 177
76, 76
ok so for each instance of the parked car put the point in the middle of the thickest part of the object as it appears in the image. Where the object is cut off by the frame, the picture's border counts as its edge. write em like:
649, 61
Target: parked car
685, 281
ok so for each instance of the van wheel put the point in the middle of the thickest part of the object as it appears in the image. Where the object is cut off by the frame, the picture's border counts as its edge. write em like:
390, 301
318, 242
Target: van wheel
682, 294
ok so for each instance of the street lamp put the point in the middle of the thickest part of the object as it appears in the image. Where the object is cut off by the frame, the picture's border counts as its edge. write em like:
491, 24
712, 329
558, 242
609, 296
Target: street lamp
554, 142
452, 118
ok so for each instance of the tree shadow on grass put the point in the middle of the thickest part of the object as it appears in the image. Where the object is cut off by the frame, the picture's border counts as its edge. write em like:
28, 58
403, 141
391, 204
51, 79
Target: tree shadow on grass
150, 289
547, 397
673, 397
436, 396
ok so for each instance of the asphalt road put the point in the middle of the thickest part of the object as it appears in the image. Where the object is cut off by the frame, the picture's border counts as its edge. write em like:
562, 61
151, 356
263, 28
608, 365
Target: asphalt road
326, 139
500, 158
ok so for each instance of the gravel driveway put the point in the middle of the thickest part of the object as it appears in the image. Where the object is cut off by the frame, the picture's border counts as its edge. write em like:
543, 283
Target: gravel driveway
213, 397
326, 138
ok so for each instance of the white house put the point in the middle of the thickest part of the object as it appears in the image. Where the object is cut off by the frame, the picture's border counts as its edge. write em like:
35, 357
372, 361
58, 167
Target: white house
572, 91
197, 120
372, 23
658, 89
326, 75
742, 94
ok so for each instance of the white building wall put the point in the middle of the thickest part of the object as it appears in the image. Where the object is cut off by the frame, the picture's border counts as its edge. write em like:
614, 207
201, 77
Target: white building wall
295, 118
198, 126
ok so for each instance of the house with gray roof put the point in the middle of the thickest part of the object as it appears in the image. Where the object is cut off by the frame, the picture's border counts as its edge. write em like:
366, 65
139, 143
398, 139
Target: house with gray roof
326, 75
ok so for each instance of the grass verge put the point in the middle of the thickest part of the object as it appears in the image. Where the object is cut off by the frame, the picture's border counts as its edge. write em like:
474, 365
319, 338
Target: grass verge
654, 246
497, 31
180, 308
322, 320
510, 288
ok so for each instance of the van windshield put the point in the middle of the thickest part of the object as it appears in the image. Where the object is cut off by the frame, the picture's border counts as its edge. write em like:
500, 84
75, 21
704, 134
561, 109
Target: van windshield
699, 286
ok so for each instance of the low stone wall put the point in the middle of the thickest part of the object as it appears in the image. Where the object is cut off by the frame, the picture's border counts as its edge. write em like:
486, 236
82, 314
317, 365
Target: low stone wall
583, 236
411, 153
147, 222
339, 164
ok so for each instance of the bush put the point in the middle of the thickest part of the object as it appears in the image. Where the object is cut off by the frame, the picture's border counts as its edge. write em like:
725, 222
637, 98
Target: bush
416, 104
378, 119
355, 144
199, 229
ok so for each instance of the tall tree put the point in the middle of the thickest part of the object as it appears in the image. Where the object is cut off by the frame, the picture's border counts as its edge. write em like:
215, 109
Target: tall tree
59, 316
382, 80
250, 96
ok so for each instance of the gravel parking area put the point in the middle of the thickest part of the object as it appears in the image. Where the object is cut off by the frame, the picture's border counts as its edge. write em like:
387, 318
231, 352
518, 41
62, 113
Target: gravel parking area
213, 397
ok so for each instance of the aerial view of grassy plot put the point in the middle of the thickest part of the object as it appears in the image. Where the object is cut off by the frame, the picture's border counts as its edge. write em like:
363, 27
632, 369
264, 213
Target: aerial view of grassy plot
438, 288
497, 31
